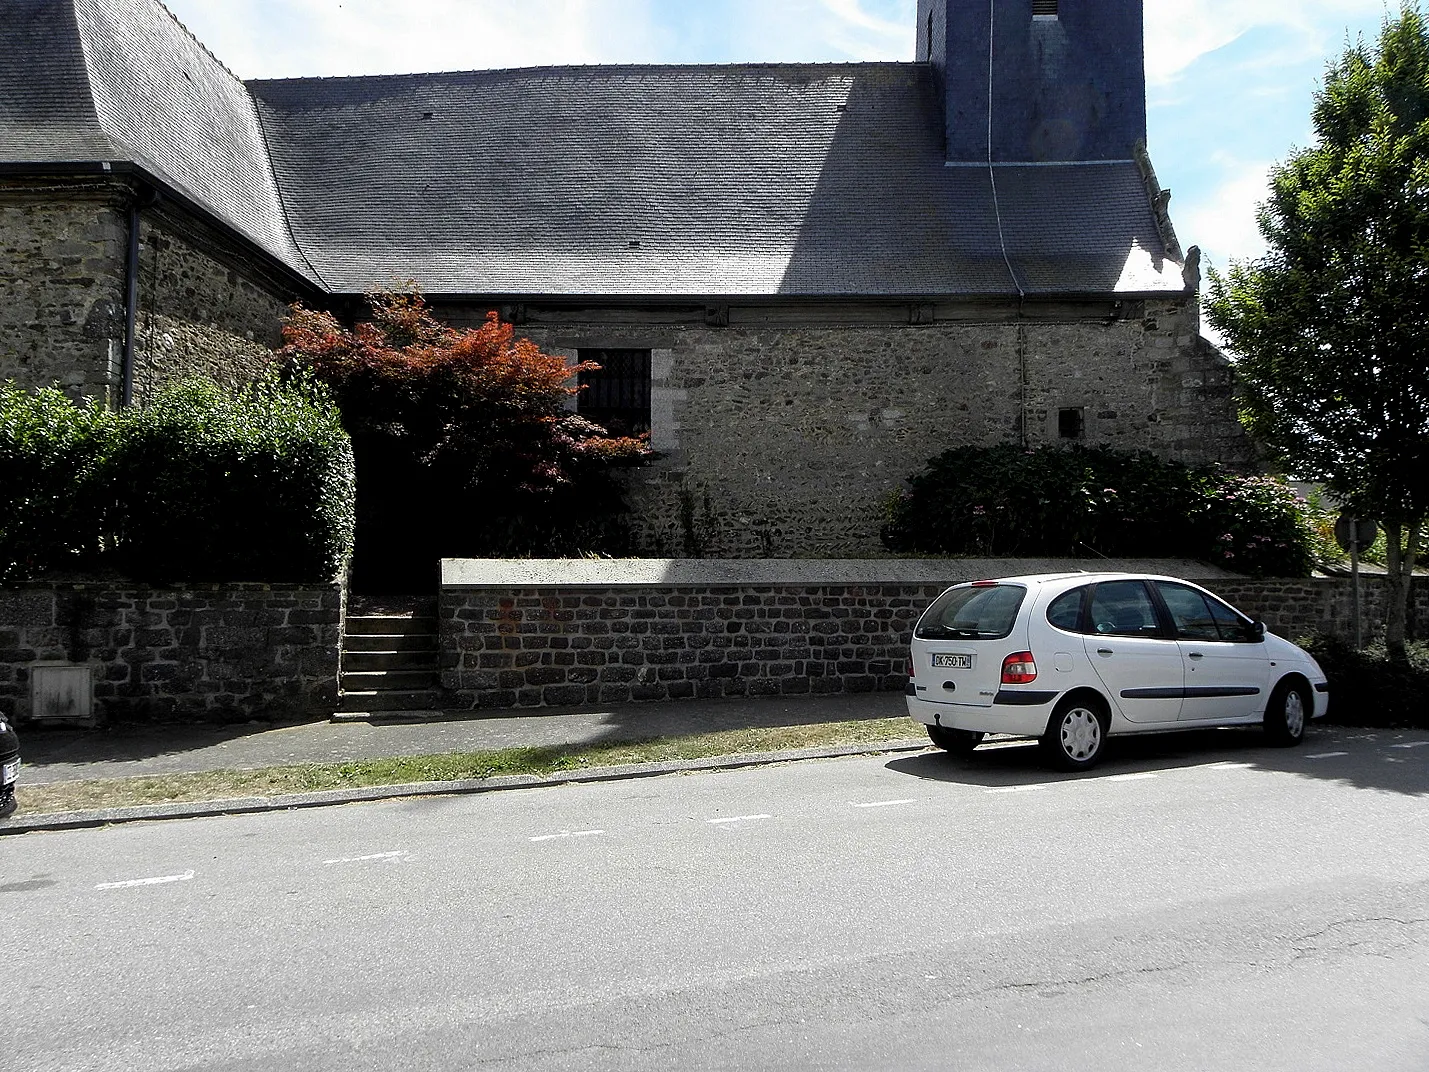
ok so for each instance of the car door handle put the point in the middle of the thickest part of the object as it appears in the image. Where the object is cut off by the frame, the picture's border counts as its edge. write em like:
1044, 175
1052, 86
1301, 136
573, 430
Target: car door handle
1194, 655
1104, 651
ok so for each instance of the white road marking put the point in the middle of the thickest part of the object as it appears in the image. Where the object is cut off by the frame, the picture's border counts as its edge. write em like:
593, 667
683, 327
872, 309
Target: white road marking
1129, 777
882, 803
1228, 766
1326, 755
1013, 789
145, 881
362, 859
567, 834
738, 818
1411, 744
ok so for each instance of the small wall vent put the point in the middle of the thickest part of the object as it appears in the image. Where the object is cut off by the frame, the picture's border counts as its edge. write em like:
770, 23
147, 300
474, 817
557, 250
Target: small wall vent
1044, 8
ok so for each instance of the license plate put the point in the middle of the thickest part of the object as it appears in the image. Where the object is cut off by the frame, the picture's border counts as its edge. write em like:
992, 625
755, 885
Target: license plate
952, 662
9, 772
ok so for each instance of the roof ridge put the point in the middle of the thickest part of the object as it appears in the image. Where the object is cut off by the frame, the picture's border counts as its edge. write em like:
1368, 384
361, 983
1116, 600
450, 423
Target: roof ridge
195, 39
827, 65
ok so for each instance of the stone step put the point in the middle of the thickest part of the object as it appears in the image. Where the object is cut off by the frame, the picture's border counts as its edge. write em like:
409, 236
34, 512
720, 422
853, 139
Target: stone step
378, 642
389, 680
372, 700
389, 624
366, 661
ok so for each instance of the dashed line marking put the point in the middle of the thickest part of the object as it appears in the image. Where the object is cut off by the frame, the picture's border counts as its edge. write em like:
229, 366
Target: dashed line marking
364, 859
186, 876
1411, 744
567, 834
882, 803
1129, 777
738, 818
1326, 755
1013, 789
1228, 765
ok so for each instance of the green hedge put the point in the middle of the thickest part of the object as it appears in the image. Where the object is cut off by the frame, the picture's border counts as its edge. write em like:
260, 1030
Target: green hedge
203, 484
1081, 502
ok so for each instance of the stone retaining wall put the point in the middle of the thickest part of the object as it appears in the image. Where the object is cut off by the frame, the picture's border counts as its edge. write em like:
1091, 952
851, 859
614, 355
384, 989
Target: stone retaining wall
201, 653
574, 633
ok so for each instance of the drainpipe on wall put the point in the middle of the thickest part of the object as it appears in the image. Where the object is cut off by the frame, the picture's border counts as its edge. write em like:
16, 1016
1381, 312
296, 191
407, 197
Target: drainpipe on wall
143, 198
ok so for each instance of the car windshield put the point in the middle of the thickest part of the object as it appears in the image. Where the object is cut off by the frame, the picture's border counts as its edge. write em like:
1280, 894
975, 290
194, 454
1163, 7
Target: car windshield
977, 612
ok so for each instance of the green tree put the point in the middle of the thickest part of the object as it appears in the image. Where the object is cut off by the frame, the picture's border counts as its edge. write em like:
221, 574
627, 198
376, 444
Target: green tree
1330, 327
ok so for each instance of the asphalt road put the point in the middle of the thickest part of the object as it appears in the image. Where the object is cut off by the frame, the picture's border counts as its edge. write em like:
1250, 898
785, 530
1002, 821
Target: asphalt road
1195, 904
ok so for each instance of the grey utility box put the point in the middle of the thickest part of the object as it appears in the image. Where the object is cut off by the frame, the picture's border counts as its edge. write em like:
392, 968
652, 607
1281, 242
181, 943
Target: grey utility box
62, 692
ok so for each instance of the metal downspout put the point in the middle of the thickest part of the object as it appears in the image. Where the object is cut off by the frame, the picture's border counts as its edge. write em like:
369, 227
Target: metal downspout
131, 301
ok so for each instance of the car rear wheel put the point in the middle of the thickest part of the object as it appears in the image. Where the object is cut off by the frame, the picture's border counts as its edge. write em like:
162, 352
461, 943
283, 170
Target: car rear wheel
955, 742
1076, 735
1287, 714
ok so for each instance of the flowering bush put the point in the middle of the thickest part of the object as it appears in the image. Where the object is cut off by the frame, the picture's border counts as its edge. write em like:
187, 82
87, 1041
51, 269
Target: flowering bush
1083, 502
463, 440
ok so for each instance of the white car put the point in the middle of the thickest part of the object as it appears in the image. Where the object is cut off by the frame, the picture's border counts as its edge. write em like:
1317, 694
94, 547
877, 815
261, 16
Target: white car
1074, 658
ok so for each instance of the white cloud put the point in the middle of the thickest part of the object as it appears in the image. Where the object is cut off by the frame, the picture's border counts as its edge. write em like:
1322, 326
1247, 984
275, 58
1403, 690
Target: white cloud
1179, 32
284, 38
1223, 221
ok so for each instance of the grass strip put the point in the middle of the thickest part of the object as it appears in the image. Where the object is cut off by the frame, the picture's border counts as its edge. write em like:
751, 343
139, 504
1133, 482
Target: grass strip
447, 767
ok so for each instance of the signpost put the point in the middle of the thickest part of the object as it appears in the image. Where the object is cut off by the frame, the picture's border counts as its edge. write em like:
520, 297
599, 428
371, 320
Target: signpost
1353, 534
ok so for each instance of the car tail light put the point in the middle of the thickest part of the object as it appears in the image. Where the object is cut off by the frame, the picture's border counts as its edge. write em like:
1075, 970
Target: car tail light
910, 666
1019, 668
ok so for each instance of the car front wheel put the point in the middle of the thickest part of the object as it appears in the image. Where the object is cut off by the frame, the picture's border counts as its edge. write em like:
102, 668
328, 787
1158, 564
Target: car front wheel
1076, 735
1287, 714
955, 742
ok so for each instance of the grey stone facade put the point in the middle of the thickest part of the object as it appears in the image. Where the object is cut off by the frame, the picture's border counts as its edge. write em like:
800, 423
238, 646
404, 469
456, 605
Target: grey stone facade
203, 305
200, 653
786, 439
62, 289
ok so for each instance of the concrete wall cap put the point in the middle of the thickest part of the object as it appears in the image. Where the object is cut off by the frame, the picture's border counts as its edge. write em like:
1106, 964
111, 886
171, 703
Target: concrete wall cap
508, 573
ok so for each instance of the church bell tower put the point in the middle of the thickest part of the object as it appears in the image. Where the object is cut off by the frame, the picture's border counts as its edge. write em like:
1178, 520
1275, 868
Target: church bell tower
1067, 78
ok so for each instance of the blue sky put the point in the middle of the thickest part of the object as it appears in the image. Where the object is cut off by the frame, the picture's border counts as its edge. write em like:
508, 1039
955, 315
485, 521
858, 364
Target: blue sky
1229, 81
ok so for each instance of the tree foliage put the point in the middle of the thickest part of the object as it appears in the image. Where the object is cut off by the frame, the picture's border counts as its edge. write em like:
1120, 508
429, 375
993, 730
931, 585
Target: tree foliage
1330, 327
464, 441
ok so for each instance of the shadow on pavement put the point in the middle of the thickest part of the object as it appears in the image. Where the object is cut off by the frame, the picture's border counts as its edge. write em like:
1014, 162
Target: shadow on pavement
1388, 760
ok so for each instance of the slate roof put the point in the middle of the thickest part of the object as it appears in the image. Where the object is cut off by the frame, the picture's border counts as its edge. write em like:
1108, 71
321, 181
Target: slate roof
604, 181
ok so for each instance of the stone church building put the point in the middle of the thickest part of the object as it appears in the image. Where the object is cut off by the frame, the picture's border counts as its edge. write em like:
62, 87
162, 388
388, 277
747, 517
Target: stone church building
803, 279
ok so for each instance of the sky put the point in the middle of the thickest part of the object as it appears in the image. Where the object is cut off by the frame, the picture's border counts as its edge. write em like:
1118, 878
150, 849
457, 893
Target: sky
1229, 82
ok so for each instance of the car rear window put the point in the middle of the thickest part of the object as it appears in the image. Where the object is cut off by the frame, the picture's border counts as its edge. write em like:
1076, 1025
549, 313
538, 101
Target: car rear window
977, 612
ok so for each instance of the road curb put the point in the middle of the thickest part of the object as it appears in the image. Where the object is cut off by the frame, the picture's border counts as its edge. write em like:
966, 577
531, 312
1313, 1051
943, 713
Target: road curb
20, 823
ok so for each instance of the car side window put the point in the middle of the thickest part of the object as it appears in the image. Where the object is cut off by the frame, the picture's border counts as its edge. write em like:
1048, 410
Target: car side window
1189, 612
1233, 626
1123, 608
1065, 612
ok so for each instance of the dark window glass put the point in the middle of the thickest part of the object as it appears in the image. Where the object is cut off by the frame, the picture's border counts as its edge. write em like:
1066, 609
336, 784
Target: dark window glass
982, 612
1189, 612
1065, 612
1233, 626
1123, 608
616, 395
1070, 424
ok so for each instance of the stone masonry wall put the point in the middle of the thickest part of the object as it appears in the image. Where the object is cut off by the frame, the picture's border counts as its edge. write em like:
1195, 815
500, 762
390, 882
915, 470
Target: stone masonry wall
62, 288
556, 646
782, 441
553, 646
196, 315
203, 307
201, 653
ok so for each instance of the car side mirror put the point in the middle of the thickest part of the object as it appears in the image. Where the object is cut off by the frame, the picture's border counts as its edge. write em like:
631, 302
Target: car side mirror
1257, 629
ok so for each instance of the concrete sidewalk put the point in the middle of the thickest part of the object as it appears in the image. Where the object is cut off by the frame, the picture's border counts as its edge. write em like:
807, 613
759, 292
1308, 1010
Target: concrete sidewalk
58, 755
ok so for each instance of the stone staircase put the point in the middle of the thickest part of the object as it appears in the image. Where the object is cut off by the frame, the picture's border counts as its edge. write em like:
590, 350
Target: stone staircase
389, 660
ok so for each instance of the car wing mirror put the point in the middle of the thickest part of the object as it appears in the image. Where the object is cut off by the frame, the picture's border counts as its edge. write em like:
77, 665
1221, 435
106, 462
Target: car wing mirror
1257, 629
